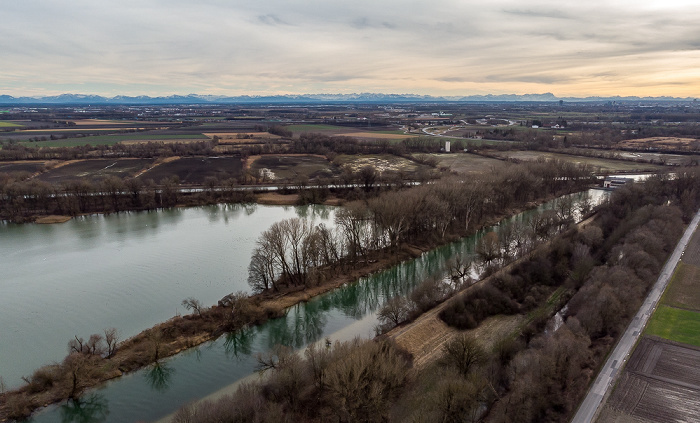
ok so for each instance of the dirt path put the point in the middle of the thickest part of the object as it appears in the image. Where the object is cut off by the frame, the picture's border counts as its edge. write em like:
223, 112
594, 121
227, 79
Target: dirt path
157, 163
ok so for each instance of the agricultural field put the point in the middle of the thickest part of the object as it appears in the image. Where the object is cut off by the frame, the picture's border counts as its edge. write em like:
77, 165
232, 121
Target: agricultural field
670, 159
8, 124
21, 166
114, 139
291, 166
465, 163
661, 383
662, 143
94, 170
382, 163
107, 122
599, 165
242, 137
378, 135
318, 129
195, 170
678, 316
675, 324
684, 289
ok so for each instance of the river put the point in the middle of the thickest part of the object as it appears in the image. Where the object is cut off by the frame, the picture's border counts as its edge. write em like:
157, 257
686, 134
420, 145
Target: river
155, 392
126, 270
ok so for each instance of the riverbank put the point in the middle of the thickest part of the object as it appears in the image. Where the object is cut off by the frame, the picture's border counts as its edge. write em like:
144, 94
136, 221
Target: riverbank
183, 332
266, 198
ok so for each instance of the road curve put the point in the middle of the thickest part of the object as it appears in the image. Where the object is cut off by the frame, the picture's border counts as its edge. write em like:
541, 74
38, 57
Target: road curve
609, 372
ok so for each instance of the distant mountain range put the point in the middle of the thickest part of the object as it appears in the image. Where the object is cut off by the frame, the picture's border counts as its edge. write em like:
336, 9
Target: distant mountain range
86, 99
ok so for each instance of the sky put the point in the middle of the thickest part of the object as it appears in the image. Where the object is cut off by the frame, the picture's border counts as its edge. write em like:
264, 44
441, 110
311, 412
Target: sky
432, 47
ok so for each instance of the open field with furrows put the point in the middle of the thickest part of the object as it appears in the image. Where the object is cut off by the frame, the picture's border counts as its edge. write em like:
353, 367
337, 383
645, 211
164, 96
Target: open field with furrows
661, 383
678, 316
684, 289
290, 167
382, 163
94, 170
468, 163
662, 143
379, 135
599, 165
241, 137
318, 129
114, 139
21, 166
195, 170
107, 122
691, 255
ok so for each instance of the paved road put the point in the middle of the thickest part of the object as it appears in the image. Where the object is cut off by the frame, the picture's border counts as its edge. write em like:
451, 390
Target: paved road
617, 359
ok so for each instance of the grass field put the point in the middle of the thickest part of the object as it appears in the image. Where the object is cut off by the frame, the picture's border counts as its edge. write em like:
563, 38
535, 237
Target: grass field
5, 124
111, 140
601, 165
468, 163
386, 135
683, 291
316, 128
676, 325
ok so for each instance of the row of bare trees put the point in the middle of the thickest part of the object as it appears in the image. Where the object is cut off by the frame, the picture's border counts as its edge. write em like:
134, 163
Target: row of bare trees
22, 199
290, 250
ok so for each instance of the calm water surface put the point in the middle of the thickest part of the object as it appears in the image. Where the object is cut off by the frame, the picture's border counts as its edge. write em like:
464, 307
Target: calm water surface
126, 270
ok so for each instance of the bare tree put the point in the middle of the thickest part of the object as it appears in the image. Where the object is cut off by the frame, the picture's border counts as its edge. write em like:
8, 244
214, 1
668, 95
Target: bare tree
464, 353
395, 311
111, 339
194, 304
95, 345
75, 364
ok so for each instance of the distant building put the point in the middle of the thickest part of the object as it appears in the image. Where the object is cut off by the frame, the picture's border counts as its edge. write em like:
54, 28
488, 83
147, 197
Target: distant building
447, 146
612, 182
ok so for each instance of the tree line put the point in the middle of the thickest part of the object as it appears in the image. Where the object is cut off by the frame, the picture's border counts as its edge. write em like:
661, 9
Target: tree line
23, 199
293, 253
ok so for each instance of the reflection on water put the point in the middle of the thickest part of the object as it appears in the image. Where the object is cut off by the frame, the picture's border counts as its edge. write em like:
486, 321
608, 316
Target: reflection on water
239, 343
341, 314
159, 375
126, 270
88, 409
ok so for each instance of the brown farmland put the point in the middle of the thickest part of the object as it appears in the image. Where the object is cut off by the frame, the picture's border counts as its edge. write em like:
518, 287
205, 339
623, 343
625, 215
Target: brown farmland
661, 383
94, 170
662, 143
194, 170
281, 167
21, 166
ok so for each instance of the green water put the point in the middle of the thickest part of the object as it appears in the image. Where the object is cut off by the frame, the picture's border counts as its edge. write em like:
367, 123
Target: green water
126, 270
153, 393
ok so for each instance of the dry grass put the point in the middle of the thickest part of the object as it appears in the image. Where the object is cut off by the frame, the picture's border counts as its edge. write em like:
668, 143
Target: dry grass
52, 219
173, 141
232, 137
276, 199
658, 142
93, 122
684, 290
157, 163
376, 135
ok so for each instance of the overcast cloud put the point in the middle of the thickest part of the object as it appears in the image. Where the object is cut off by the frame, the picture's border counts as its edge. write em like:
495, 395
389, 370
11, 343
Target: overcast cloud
442, 47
